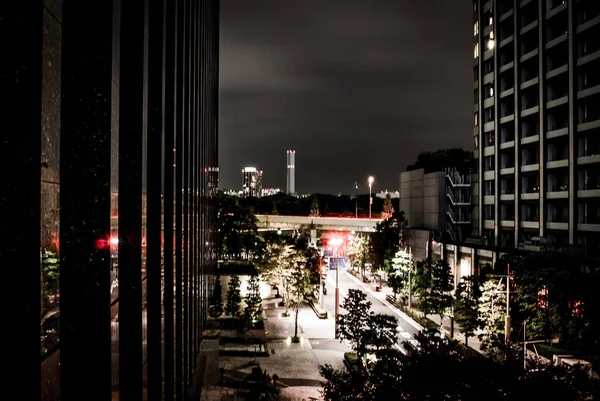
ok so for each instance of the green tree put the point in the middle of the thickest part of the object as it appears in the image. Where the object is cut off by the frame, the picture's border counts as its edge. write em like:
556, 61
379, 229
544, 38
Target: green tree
314, 208
362, 328
492, 312
388, 209
275, 264
301, 289
453, 374
466, 306
438, 298
422, 277
385, 241
253, 308
216, 302
232, 305
402, 269
359, 249
436, 161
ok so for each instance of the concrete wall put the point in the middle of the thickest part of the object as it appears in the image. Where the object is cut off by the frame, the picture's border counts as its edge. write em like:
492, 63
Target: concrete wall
423, 199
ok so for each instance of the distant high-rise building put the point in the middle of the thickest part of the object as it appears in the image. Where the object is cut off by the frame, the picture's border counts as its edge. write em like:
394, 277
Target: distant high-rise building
251, 181
291, 172
536, 122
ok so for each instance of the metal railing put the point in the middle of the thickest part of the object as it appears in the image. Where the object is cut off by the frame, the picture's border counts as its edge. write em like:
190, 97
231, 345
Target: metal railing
456, 178
463, 200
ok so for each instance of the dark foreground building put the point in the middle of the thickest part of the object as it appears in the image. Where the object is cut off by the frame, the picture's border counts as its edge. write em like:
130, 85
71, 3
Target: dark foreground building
107, 217
537, 122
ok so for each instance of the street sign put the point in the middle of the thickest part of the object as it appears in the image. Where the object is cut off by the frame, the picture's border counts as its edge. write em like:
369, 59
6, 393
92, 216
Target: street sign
333, 264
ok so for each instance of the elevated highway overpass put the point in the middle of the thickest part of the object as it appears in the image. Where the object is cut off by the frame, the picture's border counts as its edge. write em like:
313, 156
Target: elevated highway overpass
278, 222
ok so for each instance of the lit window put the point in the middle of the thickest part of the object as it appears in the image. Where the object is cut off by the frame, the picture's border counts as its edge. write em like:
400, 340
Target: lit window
491, 91
476, 119
476, 28
476, 50
491, 20
492, 35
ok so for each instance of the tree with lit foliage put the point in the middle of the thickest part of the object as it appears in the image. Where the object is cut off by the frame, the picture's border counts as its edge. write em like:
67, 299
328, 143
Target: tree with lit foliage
253, 308
301, 289
402, 267
437, 299
388, 209
314, 208
492, 312
359, 247
466, 306
275, 265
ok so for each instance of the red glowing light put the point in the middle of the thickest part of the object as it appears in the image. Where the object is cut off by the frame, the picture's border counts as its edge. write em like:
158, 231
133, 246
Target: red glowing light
102, 244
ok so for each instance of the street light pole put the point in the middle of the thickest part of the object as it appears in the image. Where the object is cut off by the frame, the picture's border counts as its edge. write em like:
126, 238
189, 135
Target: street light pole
356, 197
337, 295
371, 179
507, 316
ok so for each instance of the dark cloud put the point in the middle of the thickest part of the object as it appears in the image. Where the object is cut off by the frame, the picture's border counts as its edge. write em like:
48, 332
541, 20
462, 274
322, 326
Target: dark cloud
357, 87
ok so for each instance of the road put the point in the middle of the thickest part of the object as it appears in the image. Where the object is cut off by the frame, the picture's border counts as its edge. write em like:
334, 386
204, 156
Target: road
406, 330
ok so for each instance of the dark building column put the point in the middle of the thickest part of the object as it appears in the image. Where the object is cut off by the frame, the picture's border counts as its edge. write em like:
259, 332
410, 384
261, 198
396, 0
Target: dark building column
179, 114
85, 200
153, 192
20, 156
131, 114
168, 193
186, 193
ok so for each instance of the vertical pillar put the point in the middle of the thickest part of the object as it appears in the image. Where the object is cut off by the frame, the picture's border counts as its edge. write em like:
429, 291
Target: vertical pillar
517, 111
131, 115
573, 184
542, 114
185, 165
85, 164
154, 166
179, 132
168, 193
21, 25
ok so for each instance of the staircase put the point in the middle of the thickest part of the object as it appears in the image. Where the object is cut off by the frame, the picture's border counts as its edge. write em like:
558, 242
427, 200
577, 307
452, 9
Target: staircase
458, 207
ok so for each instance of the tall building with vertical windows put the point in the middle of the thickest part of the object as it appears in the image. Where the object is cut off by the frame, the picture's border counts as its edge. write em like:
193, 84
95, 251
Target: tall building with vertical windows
252, 182
107, 206
536, 72
291, 172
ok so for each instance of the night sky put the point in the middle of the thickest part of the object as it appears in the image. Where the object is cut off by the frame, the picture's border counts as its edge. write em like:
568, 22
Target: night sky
356, 87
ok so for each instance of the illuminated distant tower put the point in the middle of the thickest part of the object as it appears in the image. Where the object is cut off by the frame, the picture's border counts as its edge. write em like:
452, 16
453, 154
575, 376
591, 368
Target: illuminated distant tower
291, 172
252, 182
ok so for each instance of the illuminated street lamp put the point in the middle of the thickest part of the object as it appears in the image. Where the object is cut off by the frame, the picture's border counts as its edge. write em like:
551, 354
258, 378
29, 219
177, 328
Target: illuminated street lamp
371, 179
335, 243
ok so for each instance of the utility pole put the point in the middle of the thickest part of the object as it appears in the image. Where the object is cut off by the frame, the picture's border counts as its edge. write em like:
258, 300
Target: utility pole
525, 346
410, 278
356, 197
337, 294
507, 318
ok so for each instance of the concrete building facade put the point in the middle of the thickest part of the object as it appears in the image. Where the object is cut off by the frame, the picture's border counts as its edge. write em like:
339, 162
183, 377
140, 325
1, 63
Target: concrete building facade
108, 208
536, 72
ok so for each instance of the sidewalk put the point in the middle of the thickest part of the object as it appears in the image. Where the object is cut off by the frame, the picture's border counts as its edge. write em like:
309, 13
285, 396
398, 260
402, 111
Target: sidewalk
474, 342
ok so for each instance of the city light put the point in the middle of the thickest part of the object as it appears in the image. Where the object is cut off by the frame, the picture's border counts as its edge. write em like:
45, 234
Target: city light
491, 43
335, 241
371, 180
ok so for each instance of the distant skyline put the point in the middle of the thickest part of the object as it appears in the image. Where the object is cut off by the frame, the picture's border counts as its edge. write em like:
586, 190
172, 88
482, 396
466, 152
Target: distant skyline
356, 88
